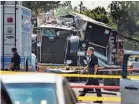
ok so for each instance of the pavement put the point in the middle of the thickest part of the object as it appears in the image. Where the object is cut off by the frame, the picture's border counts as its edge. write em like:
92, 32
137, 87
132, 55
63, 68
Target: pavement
104, 94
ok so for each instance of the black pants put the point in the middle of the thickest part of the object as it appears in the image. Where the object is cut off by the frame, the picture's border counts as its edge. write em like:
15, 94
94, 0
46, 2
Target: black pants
16, 68
92, 81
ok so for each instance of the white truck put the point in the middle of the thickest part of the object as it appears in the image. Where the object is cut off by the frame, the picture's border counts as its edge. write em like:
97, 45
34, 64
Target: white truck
16, 30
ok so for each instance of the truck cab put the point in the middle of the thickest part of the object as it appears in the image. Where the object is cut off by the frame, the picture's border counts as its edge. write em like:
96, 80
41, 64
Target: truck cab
129, 83
53, 44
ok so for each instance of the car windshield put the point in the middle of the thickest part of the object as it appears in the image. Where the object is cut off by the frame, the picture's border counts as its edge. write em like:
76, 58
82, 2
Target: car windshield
49, 32
33, 93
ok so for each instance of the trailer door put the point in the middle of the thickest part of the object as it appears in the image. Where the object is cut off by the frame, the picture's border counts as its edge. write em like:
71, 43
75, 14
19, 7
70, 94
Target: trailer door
8, 30
129, 87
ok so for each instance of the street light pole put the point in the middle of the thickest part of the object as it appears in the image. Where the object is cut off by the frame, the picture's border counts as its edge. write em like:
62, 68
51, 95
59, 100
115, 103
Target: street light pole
15, 22
3, 34
81, 3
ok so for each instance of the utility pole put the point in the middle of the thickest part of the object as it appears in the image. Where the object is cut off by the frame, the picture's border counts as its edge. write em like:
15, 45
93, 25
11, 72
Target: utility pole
3, 3
80, 5
15, 22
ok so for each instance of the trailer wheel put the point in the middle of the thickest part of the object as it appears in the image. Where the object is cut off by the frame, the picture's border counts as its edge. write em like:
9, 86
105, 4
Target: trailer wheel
26, 64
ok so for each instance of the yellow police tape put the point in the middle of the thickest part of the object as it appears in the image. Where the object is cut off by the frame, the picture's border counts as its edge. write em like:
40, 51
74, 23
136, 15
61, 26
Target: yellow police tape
75, 75
90, 76
93, 98
96, 76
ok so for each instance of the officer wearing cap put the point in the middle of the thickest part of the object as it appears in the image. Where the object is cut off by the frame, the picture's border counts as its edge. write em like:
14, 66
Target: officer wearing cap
92, 68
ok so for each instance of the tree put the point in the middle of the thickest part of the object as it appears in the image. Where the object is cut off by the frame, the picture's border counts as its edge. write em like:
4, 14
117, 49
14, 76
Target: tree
75, 9
80, 8
98, 14
44, 6
125, 14
64, 10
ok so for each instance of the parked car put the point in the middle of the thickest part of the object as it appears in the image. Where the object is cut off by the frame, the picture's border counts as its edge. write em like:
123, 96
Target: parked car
39, 88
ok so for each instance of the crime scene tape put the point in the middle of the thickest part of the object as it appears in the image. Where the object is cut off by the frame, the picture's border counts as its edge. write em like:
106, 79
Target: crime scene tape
94, 98
96, 76
90, 76
75, 75
14, 72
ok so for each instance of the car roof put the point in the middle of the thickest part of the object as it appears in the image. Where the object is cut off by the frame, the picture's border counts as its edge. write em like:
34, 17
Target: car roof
31, 78
56, 26
88, 19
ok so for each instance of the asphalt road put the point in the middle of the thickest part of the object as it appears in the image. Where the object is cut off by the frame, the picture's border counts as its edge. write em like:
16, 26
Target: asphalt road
104, 94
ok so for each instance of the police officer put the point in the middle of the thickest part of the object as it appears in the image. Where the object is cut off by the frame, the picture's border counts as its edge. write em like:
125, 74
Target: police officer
92, 68
15, 61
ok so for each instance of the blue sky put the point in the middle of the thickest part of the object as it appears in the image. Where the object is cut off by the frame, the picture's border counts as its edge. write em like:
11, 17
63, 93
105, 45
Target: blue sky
91, 4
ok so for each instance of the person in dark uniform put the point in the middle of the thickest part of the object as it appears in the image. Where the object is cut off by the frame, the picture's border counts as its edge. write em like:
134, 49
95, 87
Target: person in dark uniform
15, 61
92, 68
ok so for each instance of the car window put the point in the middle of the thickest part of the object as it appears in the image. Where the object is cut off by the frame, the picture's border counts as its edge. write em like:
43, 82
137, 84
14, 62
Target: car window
48, 32
134, 70
33, 93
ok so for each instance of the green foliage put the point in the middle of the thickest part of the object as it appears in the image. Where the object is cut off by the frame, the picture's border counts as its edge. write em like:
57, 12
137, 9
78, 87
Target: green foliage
136, 38
125, 14
137, 23
63, 10
112, 24
98, 14
44, 6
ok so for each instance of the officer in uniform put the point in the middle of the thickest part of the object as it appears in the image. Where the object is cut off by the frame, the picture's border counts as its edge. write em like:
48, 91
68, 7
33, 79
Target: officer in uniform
15, 61
92, 68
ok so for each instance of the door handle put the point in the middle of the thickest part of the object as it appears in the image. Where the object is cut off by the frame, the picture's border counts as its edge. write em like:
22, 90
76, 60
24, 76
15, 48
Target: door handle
131, 88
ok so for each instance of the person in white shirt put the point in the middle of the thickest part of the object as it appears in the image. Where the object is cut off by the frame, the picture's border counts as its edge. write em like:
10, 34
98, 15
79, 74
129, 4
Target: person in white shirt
33, 57
136, 63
